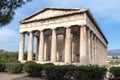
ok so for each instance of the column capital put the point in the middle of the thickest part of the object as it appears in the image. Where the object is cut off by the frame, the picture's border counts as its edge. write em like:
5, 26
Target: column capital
30, 32
53, 28
92, 34
41, 30
83, 25
22, 32
67, 26
88, 29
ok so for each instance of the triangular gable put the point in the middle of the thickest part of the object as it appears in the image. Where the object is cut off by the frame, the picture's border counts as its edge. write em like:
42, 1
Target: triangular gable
49, 12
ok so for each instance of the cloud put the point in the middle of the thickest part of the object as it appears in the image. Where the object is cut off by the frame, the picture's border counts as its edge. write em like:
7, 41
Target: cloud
107, 9
104, 11
9, 39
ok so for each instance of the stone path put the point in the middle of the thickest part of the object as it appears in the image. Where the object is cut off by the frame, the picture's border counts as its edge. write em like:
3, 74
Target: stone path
22, 76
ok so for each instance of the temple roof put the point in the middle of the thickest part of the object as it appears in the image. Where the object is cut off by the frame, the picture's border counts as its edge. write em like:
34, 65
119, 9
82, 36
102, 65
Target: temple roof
52, 12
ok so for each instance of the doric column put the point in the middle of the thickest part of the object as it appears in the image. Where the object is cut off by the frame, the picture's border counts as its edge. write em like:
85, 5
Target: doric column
72, 42
30, 47
37, 49
93, 50
53, 46
97, 58
21, 50
68, 54
83, 54
41, 47
106, 58
100, 52
89, 47
95, 54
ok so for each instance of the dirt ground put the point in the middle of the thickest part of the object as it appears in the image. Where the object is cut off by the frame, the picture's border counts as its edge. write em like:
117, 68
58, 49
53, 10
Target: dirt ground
22, 76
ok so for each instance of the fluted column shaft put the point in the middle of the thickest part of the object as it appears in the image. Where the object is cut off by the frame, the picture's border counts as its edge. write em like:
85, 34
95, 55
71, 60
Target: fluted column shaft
92, 48
53, 46
95, 54
83, 52
41, 47
37, 48
89, 47
97, 58
68, 54
21, 50
30, 47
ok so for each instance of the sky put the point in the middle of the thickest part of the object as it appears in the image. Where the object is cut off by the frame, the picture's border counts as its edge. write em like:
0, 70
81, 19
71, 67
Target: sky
105, 12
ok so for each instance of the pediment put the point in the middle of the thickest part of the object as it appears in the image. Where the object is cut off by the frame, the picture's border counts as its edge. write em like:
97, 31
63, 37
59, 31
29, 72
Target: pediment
48, 12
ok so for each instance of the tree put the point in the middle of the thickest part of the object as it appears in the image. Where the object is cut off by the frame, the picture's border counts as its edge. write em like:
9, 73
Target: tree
7, 10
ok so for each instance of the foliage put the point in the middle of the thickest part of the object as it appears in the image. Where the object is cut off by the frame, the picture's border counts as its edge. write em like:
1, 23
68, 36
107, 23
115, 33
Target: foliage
7, 9
2, 67
77, 73
33, 69
70, 71
55, 72
115, 71
48, 64
6, 56
25, 55
115, 57
14, 67
114, 62
90, 73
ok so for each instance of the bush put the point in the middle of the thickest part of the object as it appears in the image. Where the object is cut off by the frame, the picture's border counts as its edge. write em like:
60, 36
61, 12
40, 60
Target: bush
48, 64
70, 72
33, 69
90, 73
58, 72
14, 67
54, 72
115, 71
2, 67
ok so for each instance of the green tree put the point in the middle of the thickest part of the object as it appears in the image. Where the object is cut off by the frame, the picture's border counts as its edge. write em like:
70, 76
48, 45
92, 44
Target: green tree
7, 10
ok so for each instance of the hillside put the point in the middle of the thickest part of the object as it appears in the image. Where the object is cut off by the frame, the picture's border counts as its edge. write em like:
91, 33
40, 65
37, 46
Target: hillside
114, 52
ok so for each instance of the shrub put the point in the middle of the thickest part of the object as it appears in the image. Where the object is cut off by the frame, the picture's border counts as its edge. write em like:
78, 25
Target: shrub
74, 72
48, 64
70, 70
33, 69
90, 73
2, 67
58, 72
14, 67
96, 72
54, 72
115, 71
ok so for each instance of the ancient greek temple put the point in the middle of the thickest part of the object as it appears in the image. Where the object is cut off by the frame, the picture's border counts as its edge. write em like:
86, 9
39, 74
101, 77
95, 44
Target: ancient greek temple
64, 36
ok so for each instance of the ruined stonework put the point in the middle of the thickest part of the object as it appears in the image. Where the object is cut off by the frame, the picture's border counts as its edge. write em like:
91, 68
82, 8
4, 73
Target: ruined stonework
64, 36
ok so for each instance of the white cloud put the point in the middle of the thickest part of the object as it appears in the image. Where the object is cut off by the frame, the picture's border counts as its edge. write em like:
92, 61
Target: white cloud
9, 39
105, 11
